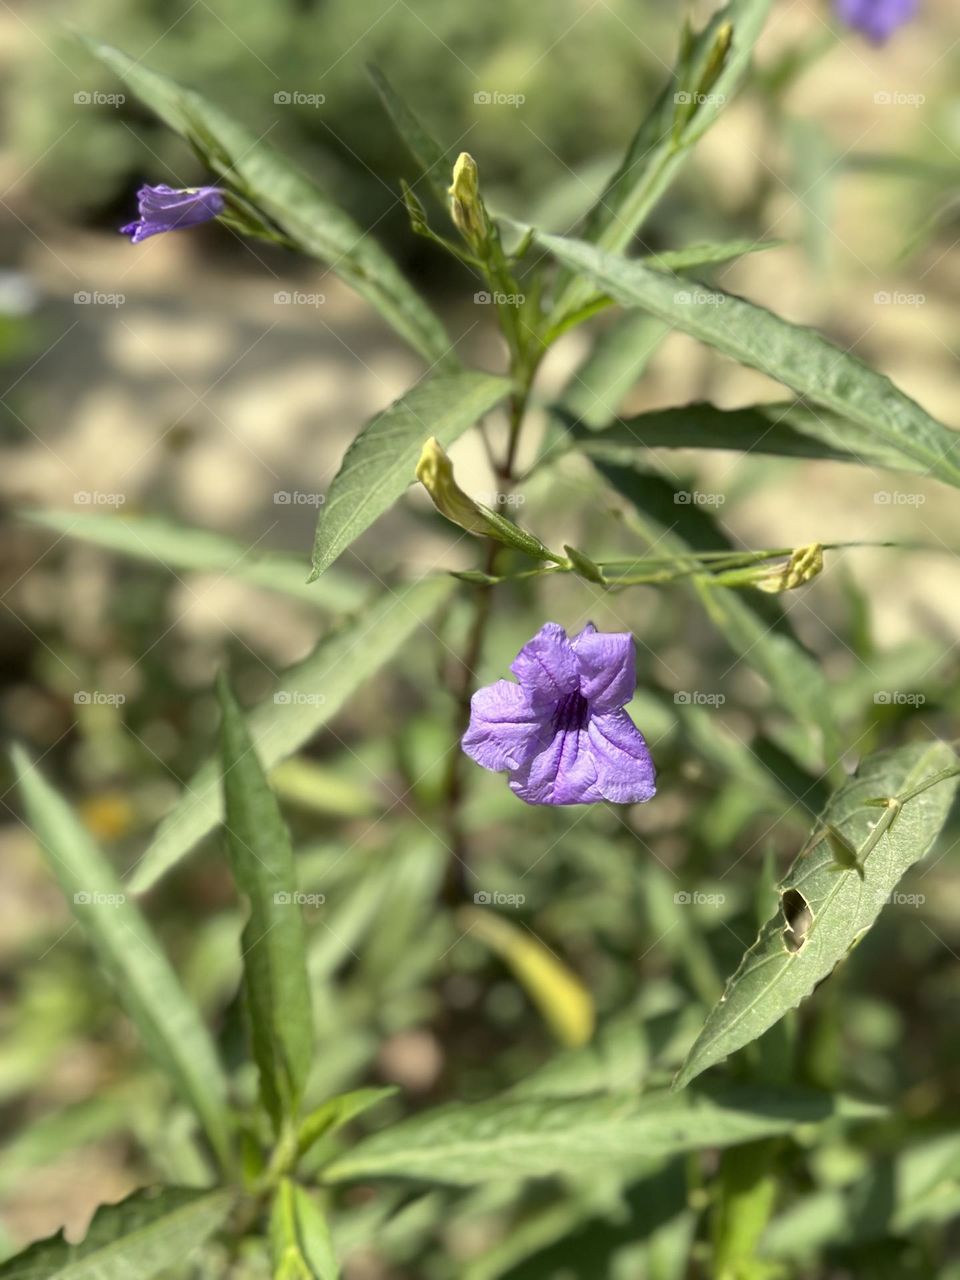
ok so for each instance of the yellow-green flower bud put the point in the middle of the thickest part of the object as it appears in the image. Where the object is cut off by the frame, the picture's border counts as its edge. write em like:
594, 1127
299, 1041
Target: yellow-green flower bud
435, 473
805, 563
466, 206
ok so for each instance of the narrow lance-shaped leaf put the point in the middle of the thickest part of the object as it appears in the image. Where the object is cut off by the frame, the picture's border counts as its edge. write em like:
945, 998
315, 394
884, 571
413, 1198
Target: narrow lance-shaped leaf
787, 430
336, 1112
182, 549
828, 902
279, 189
274, 947
799, 357
169, 1024
143, 1236
380, 463
308, 695
709, 71
712, 253
429, 154
541, 1137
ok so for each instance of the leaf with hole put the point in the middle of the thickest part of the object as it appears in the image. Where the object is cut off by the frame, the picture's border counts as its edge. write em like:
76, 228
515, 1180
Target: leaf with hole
824, 908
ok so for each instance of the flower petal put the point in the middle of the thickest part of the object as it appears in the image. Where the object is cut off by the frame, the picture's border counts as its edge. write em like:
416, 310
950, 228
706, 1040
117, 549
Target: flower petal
546, 666
164, 208
564, 772
877, 19
505, 729
608, 667
625, 772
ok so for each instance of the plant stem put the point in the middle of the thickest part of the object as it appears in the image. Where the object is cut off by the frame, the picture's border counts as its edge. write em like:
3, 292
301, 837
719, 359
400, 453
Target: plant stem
456, 887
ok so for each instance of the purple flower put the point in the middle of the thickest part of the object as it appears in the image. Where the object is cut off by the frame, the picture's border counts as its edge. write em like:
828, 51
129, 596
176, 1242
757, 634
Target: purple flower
876, 19
562, 733
166, 209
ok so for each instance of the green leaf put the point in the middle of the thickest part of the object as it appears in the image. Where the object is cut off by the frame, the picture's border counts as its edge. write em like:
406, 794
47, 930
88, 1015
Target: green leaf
663, 142
279, 189
178, 547
755, 631
171, 1028
142, 1236
540, 1137
336, 1112
799, 357
783, 430
616, 1057
617, 360
918, 1185
299, 1236
380, 463
430, 155
307, 697
827, 907
274, 946
705, 255
321, 789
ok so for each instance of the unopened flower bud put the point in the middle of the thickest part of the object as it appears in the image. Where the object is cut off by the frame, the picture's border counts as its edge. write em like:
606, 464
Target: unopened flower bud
466, 206
805, 563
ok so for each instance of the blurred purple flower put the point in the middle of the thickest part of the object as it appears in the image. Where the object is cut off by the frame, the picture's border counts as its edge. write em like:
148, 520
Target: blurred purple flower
877, 19
167, 208
562, 733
